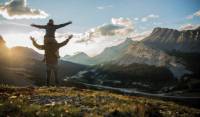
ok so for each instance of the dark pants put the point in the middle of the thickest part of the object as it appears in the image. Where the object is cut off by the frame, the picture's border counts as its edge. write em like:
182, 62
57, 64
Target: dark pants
51, 68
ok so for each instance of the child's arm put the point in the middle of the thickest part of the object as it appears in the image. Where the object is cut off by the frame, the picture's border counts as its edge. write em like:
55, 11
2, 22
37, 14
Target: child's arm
63, 25
65, 42
41, 47
39, 26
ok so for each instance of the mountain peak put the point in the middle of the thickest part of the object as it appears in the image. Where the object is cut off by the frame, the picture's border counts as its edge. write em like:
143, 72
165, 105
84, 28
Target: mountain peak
125, 44
128, 40
2, 41
25, 52
158, 29
80, 58
172, 39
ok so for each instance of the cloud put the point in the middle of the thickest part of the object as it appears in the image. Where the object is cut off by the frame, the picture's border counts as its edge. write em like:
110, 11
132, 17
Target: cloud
104, 7
110, 30
140, 36
151, 16
136, 18
18, 9
118, 27
196, 14
10, 26
122, 22
188, 27
157, 23
14, 23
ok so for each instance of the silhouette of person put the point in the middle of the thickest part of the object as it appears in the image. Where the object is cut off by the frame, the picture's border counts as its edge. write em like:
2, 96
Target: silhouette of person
50, 56
50, 28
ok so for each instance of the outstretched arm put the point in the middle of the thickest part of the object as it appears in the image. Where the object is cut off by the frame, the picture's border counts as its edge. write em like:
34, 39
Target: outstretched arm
63, 25
65, 42
38, 26
40, 47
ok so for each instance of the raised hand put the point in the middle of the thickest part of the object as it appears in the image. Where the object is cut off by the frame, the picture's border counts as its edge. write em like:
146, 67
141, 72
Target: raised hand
70, 36
32, 38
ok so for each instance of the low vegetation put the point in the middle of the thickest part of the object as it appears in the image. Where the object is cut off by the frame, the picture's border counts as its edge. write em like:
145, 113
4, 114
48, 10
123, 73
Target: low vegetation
76, 102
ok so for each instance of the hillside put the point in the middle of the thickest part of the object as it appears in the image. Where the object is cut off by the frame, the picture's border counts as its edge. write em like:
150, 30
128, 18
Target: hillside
109, 54
22, 66
75, 102
143, 54
171, 39
25, 52
130, 52
80, 58
113, 53
33, 72
141, 67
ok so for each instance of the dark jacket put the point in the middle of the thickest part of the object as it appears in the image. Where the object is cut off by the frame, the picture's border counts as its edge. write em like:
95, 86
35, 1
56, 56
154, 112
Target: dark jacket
50, 29
50, 50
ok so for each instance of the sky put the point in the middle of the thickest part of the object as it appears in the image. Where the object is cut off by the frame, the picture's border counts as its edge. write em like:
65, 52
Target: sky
97, 24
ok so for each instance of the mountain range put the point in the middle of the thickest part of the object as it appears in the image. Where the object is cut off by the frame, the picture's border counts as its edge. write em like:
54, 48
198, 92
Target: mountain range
160, 39
131, 64
147, 51
109, 54
174, 40
142, 54
143, 64
81, 58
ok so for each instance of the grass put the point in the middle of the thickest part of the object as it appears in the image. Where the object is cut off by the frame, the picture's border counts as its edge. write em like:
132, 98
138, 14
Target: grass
76, 102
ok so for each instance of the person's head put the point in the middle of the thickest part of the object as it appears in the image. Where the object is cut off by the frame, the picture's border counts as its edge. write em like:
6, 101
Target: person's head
51, 22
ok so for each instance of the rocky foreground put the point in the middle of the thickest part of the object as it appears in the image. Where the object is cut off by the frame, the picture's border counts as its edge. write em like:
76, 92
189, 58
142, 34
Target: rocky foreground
76, 102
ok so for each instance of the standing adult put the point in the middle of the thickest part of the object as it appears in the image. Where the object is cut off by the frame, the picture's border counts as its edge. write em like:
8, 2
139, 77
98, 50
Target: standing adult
51, 58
